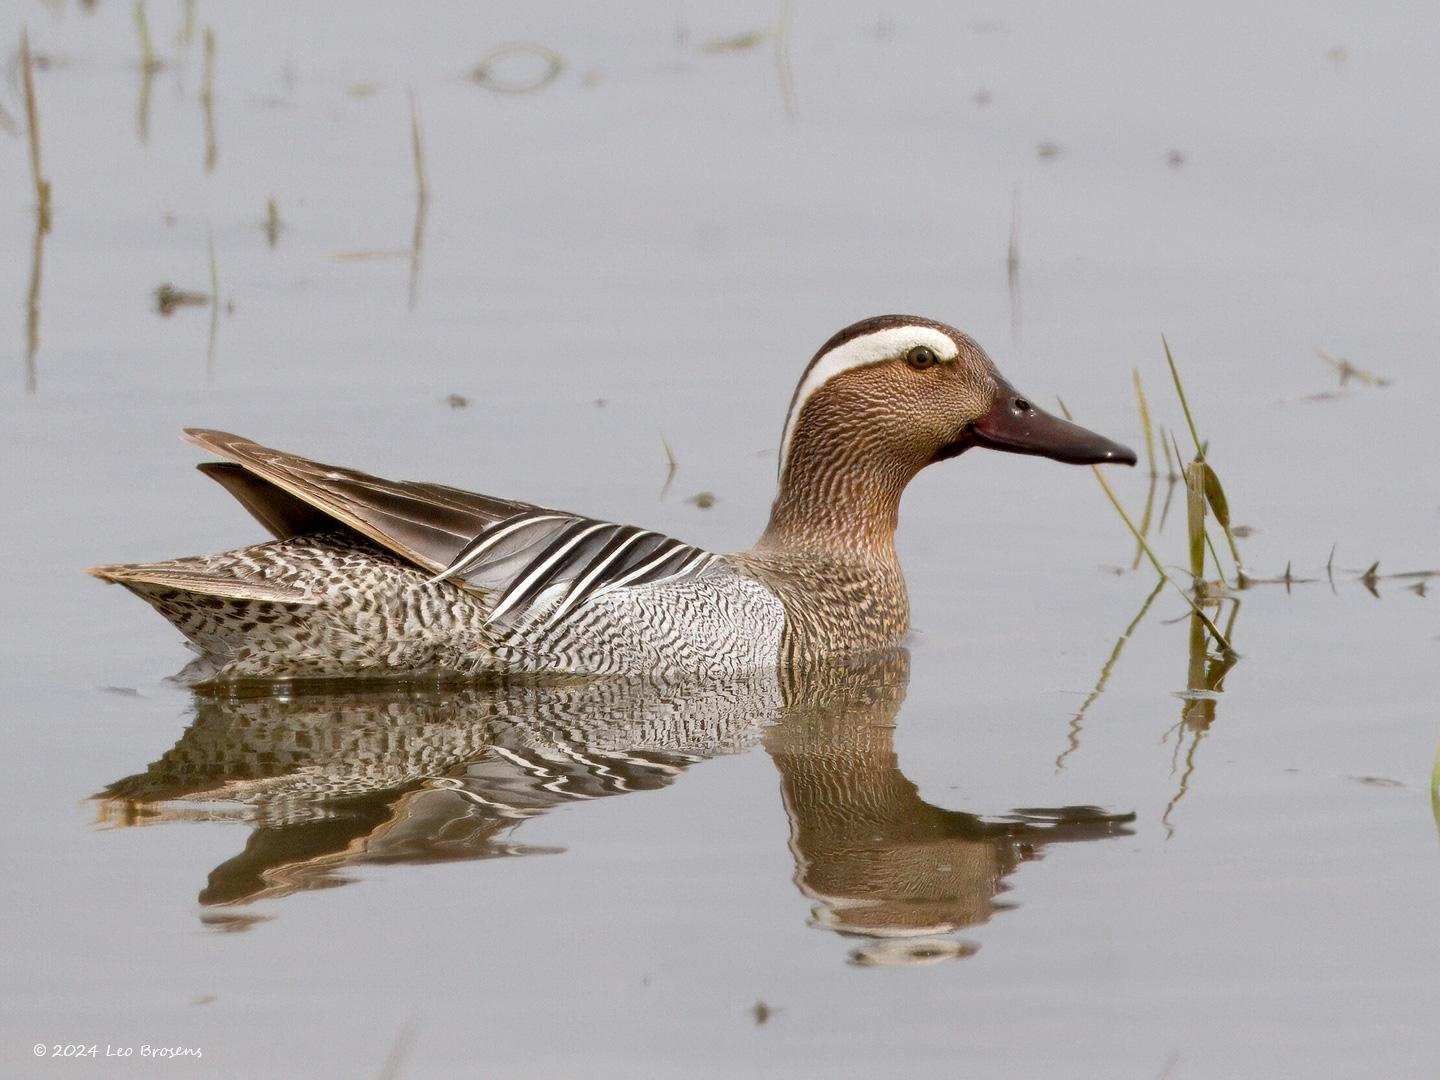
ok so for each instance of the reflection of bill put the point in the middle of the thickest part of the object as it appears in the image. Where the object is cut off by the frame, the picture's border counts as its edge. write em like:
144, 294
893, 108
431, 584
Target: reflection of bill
408, 774
879, 861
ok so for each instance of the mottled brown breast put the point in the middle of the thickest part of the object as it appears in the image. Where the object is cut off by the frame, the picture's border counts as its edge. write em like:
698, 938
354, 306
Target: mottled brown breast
833, 604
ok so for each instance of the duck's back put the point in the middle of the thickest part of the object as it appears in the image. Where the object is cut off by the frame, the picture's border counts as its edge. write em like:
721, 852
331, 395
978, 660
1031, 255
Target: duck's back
350, 586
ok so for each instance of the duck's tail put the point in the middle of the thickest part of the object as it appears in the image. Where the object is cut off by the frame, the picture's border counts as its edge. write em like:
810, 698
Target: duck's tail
225, 613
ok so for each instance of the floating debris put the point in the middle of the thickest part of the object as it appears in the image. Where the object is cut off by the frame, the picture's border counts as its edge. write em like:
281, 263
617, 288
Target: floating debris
1175, 158
1370, 577
1047, 150
1347, 371
704, 500
735, 42
982, 97
367, 256
488, 71
1378, 781
273, 224
457, 401
168, 298
761, 1012
363, 90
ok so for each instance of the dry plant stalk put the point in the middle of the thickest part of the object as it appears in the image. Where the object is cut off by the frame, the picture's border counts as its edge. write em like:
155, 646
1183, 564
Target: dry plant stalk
32, 123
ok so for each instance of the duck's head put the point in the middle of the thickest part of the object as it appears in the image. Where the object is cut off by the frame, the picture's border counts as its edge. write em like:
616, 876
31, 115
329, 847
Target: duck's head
917, 391
890, 395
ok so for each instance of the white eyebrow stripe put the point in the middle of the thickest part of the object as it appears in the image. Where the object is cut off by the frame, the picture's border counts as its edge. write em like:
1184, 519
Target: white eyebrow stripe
860, 352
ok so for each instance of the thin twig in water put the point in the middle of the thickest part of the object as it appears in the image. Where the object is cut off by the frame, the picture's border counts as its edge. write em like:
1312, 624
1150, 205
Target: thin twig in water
1145, 518
1012, 267
32, 121
399, 1049
1145, 421
42, 217
207, 102
1347, 371
783, 71
186, 34
422, 198
672, 466
214, 307
32, 310
149, 65
1435, 788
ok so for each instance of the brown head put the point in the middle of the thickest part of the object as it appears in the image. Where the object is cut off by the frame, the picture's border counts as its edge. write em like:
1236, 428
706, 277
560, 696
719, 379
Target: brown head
881, 400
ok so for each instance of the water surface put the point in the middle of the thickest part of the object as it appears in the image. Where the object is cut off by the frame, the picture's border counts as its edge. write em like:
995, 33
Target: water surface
958, 859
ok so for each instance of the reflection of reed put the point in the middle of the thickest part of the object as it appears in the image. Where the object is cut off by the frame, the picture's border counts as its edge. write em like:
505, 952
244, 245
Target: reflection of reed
32, 309
330, 781
1078, 720
1205, 678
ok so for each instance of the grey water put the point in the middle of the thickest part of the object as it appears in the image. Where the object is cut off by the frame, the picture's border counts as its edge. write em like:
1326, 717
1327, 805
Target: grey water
1053, 836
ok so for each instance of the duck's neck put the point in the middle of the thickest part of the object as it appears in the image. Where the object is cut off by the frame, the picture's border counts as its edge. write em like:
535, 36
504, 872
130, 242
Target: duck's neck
846, 511
829, 550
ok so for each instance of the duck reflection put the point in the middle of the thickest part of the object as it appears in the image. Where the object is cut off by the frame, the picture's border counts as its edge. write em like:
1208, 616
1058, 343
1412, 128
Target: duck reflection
332, 780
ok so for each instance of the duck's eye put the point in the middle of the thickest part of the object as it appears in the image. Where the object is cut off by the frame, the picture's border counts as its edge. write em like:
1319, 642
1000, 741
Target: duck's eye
1021, 405
921, 357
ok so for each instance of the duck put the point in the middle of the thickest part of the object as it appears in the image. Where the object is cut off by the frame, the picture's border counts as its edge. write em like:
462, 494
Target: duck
366, 576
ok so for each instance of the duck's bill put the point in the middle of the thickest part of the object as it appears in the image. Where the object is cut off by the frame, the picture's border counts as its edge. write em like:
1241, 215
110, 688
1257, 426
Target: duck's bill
1017, 426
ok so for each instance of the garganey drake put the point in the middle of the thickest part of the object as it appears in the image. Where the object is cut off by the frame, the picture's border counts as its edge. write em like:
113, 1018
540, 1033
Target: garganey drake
380, 577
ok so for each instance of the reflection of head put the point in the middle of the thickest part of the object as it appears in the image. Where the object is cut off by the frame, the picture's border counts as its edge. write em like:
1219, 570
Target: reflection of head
881, 862
405, 774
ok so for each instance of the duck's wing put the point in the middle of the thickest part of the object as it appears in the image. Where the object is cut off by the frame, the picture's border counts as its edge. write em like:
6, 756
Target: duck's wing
539, 565
531, 563
427, 524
